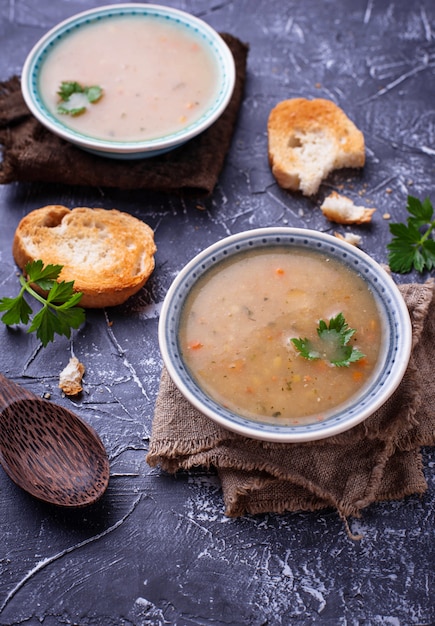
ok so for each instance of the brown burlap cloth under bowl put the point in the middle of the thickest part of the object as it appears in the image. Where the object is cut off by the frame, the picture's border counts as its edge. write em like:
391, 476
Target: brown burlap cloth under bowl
31, 153
377, 460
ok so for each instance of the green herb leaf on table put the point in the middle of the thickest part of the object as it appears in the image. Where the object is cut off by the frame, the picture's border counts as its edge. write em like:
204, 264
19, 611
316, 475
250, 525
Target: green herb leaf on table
413, 246
75, 97
332, 345
59, 312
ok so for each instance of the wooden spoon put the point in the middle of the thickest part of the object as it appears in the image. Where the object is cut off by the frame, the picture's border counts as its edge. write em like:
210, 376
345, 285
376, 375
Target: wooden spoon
49, 451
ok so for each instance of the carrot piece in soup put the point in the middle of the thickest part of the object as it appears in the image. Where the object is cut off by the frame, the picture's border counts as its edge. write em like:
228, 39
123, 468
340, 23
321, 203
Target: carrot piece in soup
195, 345
357, 375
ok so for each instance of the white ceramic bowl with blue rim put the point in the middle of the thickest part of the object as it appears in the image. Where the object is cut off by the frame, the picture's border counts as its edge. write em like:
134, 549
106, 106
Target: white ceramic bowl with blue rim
392, 363
204, 34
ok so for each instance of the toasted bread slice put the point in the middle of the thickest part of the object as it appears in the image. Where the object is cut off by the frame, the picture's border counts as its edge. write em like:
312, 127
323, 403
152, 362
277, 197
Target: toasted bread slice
342, 210
308, 139
107, 253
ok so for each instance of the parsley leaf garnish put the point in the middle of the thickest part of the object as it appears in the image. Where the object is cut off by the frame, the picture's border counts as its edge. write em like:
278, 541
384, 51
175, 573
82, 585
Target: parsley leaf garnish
59, 312
332, 344
75, 97
413, 245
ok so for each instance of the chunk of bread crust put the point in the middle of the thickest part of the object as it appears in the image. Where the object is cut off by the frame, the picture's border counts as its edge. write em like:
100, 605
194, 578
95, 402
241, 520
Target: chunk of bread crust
342, 210
352, 238
308, 139
107, 253
70, 378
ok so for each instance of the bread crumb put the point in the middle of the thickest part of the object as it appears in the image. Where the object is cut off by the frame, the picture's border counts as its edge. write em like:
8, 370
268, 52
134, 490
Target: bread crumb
70, 378
386, 216
352, 238
388, 190
342, 210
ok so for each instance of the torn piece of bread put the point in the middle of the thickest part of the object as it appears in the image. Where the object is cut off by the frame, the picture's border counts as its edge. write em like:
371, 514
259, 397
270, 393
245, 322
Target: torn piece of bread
70, 378
308, 139
342, 210
107, 253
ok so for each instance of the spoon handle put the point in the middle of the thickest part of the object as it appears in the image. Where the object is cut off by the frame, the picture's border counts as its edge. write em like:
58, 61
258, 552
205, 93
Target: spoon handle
10, 392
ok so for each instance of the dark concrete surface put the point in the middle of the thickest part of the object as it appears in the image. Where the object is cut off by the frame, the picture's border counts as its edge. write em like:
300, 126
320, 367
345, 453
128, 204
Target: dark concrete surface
158, 549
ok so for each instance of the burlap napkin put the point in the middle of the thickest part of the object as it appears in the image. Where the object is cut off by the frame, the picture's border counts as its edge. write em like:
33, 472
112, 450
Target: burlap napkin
379, 459
33, 154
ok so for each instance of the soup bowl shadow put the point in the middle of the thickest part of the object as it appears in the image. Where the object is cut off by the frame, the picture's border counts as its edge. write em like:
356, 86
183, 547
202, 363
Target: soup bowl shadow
395, 346
205, 36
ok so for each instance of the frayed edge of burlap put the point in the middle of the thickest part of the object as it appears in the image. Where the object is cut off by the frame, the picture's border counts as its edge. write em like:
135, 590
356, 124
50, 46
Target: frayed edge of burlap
172, 456
354, 509
241, 504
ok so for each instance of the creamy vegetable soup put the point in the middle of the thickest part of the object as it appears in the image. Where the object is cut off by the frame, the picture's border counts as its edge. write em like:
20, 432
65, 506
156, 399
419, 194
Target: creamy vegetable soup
155, 78
238, 325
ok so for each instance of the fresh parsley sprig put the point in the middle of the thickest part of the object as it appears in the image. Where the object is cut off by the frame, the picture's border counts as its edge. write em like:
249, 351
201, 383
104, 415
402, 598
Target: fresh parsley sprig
59, 312
77, 105
332, 345
413, 245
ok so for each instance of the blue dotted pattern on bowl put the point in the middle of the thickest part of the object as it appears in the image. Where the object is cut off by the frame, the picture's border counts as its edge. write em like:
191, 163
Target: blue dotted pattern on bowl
382, 286
196, 27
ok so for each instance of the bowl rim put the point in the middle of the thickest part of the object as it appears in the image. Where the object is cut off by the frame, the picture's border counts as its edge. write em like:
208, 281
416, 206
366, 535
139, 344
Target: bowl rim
221, 51
390, 371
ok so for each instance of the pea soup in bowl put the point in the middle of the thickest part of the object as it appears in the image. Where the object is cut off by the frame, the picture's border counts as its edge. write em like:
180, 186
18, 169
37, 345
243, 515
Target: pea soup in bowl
285, 334
129, 80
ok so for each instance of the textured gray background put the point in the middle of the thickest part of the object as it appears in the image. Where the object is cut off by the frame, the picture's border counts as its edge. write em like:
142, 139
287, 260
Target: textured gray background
157, 549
